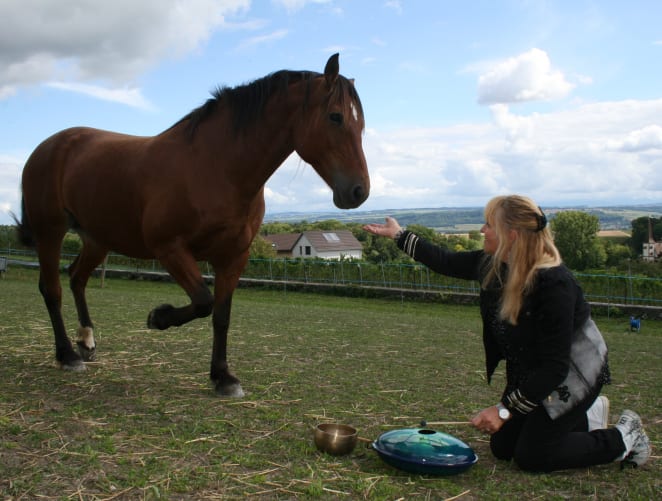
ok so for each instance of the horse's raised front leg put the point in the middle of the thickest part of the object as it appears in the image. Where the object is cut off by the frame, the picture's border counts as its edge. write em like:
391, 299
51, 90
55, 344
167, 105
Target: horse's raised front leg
79, 273
184, 269
51, 291
226, 384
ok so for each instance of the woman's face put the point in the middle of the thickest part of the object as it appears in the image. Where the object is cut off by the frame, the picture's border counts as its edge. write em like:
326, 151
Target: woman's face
491, 241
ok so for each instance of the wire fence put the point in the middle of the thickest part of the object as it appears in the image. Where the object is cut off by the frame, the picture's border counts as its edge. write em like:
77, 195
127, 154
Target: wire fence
609, 289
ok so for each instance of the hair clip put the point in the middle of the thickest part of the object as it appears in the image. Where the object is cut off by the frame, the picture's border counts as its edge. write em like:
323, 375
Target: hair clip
542, 220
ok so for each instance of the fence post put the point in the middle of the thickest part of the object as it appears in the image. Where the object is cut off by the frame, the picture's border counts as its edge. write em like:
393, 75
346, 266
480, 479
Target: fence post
629, 300
103, 271
608, 296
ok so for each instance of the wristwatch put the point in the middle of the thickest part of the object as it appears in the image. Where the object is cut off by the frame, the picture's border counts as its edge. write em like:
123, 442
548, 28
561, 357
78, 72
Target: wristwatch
503, 412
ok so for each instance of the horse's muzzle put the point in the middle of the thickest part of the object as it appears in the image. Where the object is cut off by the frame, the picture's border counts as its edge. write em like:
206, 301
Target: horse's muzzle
352, 197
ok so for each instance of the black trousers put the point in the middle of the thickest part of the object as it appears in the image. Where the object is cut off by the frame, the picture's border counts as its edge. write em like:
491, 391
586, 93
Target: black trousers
537, 443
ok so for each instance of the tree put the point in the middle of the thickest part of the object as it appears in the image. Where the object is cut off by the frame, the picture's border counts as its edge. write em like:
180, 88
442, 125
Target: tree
429, 234
460, 243
71, 244
329, 225
7, 237
476, 235
617, 253
379, 249
261, 248
275, 228
576, 237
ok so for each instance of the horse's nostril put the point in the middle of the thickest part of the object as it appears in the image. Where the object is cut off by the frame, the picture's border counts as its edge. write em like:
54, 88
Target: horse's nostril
358, 193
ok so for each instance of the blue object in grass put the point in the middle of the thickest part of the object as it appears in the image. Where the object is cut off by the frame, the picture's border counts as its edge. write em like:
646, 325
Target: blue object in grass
425, 451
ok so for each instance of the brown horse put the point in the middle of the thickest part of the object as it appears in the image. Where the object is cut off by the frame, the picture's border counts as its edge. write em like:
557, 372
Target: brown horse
192, 193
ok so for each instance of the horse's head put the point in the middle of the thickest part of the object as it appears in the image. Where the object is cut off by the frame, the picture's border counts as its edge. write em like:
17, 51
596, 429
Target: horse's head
329, 135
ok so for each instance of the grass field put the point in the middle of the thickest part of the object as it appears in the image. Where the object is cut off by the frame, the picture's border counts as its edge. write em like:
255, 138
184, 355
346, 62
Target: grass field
143, 422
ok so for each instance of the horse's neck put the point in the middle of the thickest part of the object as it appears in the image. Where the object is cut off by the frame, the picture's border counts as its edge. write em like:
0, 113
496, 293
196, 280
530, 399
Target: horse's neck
252, 155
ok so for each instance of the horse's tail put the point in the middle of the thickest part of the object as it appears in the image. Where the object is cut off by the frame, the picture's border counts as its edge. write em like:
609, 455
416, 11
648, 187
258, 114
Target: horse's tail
23, 228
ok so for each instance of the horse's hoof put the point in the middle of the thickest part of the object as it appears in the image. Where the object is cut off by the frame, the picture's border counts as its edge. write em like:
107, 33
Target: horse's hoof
74, 366
156, 318
87, 354
231, 390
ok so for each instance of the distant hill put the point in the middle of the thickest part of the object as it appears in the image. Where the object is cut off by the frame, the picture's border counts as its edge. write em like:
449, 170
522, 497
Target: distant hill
462, 220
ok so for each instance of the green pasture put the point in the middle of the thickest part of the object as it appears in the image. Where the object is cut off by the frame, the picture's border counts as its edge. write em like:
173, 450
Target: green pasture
143, 422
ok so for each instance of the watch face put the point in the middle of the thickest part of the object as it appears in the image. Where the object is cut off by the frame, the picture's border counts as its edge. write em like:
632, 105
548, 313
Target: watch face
504, 413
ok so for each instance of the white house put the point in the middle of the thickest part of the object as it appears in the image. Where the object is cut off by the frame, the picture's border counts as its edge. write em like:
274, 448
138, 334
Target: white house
319, 244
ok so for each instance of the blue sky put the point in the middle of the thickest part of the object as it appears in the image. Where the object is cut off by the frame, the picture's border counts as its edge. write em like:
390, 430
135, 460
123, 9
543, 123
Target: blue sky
559, 100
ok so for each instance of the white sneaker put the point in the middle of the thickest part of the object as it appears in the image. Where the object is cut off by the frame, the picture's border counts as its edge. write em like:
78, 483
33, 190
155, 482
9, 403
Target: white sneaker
598, 414
637, 445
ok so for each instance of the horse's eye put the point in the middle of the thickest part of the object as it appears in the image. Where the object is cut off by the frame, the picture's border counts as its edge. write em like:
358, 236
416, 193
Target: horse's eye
336, 118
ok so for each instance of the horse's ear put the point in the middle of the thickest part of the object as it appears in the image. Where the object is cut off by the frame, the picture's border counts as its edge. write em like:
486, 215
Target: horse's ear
351, 80
331, 70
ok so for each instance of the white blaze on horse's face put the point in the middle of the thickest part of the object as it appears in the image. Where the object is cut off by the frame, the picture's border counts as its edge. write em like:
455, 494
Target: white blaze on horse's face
355, 113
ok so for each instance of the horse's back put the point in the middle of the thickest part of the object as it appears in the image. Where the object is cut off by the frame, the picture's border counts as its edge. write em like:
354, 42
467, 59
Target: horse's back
58, 155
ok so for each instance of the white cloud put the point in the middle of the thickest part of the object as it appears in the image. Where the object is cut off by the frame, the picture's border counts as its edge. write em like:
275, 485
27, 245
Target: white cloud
518, 129
28, 70
83, 41
644, 139
394, 5
262, 39
275, 198
332, 49
130, 97
526, 77
295, 5
10, 182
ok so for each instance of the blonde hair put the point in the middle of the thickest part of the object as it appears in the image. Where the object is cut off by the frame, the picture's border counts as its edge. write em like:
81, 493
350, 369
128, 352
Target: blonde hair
531, 250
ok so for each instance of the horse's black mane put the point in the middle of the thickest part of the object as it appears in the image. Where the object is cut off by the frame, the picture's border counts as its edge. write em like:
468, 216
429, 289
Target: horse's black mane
245, 102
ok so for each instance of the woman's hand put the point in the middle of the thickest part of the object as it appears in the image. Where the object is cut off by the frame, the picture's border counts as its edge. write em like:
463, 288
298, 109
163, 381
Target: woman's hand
488, 420
389, 229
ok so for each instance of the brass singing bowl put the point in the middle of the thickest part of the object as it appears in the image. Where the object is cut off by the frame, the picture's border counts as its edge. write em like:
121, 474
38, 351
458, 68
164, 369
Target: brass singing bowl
335, 439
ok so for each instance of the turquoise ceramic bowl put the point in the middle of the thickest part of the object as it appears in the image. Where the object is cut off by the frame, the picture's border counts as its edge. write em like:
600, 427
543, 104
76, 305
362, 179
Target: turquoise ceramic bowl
425, 451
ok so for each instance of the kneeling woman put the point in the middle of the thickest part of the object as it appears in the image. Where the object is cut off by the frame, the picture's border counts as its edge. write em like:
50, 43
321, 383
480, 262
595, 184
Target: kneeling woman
535, 317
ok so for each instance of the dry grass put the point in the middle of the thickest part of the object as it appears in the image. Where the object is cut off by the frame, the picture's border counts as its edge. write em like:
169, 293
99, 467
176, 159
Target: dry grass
143, 422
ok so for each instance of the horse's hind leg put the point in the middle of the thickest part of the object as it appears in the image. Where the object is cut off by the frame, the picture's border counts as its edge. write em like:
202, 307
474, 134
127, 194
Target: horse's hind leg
51, 290
90, 257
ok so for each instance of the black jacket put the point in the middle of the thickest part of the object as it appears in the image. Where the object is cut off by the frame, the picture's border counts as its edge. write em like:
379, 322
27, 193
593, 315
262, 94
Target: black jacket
537, 349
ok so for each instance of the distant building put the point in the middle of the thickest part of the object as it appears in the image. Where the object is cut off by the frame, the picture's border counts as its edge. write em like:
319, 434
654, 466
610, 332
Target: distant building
320, 244
283, 243
652, 250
